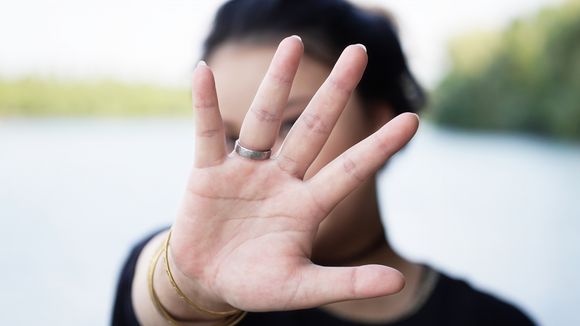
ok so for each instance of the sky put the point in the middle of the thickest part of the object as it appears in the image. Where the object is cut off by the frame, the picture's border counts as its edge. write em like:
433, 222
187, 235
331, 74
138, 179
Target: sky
158, 41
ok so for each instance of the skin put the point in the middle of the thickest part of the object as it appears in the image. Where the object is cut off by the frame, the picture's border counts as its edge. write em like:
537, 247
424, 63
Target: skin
344, 233
248, 232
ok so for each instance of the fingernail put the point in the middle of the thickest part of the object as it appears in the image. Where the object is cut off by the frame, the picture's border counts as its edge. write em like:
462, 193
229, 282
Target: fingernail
297, 37
201, 63
362, 47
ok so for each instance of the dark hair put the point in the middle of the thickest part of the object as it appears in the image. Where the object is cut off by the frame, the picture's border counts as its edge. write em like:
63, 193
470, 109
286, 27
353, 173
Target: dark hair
327, 27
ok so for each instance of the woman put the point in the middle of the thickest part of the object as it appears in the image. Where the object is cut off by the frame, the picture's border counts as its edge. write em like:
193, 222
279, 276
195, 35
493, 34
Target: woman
259, 233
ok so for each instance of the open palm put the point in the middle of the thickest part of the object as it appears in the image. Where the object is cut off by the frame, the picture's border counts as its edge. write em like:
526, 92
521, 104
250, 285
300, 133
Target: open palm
246, 228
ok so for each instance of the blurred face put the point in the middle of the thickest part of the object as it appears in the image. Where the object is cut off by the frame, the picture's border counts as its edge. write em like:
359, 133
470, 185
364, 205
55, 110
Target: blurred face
238, 71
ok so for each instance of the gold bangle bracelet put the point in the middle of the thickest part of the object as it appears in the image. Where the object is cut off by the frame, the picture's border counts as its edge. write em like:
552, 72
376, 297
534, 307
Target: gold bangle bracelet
153, 294
182, 295
230, 320
235, 319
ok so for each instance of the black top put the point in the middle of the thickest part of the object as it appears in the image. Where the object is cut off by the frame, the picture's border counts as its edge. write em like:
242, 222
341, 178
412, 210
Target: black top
451, 302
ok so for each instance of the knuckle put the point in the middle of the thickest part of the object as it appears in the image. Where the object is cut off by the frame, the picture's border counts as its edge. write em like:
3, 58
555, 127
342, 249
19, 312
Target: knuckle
202, 103
354, 292
208, 133
315, 123
264, 115
340, 86
351, 168
288, 164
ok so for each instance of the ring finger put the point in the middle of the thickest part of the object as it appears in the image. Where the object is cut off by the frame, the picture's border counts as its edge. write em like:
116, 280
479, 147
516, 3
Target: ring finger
262, 122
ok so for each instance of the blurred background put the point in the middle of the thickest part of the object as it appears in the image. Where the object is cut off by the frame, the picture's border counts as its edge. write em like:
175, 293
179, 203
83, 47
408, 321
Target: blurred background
96, 143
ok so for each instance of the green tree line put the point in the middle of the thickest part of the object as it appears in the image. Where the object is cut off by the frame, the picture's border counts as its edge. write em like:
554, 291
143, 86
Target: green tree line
524, 78
34, 96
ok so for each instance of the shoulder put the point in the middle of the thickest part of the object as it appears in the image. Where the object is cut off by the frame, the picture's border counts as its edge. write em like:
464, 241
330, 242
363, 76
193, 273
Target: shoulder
123, 313
459, 303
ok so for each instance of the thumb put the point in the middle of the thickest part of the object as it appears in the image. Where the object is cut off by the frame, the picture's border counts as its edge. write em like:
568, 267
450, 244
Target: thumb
322, 285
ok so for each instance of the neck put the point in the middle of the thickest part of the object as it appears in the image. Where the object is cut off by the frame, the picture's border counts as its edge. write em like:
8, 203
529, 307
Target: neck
384, 309
352, 231
376, 249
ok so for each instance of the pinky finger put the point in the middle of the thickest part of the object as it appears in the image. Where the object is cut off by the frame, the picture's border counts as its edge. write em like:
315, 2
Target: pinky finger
341, 176
209, 129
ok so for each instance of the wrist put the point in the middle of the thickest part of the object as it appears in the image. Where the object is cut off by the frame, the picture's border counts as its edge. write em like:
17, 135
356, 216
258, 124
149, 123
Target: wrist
188, 307
164, 297
191, 291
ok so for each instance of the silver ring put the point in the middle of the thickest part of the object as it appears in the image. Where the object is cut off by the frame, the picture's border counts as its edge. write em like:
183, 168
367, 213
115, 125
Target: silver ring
251, 154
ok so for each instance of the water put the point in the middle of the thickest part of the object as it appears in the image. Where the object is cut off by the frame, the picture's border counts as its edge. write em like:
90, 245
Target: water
500, 211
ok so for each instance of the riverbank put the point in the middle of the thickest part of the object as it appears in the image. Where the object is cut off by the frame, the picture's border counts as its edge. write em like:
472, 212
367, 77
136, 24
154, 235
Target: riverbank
37, 97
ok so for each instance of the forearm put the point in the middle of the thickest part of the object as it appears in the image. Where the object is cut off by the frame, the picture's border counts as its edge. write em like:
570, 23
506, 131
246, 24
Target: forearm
145, 310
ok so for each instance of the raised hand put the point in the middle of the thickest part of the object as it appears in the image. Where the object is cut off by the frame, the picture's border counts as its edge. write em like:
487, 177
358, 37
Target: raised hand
246, 227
